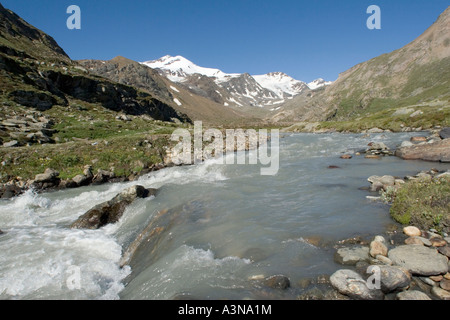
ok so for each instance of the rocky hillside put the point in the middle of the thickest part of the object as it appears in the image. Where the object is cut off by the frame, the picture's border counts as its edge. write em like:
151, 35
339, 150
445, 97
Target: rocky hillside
415, 75
36, 73
202, 102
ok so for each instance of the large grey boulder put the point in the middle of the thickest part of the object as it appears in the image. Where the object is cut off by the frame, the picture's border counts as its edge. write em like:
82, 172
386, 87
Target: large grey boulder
111, 211
393, 278
352, 284
419, 260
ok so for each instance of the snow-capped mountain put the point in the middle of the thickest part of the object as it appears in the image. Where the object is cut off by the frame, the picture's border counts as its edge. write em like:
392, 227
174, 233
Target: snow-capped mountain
230, 88
283, 85
318, 83
178, 69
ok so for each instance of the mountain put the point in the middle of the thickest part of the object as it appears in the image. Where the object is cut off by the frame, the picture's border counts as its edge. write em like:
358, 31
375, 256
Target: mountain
36, 73
283, 85
200, 104
318, 83
416, 75
230, 89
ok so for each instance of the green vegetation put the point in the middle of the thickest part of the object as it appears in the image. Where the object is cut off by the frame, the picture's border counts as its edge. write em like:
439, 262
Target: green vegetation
387, 120
423, 203
88, 134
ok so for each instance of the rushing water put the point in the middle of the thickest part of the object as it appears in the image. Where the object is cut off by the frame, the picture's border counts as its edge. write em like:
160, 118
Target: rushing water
234, 224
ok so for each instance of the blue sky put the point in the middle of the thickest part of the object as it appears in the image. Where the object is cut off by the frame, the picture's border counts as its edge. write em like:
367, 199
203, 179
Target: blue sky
305, 39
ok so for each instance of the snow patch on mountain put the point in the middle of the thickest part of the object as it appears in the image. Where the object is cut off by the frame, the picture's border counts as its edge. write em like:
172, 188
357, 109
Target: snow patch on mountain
318, 83
281, 84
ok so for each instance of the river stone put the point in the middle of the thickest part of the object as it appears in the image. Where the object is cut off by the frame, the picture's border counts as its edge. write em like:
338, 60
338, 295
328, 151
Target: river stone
394, 278
412, 295
412, 231
414, 240
384, 260
277, 282
350, 283
445, 284
445, 133
440, 293
445, 251
378, 248
438, 242
419, 260
352, 255
425, 241
49, 175
112, 210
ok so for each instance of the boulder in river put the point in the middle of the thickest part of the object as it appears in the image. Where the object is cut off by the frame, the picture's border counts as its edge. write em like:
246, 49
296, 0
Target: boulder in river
352, 255
111, 211
436, 151
278, 282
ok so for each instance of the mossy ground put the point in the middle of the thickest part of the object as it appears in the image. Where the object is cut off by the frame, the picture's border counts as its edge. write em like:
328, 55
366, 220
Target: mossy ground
423, 203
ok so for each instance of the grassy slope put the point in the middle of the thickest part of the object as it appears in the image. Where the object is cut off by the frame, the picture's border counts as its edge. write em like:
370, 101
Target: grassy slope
89, 134
423, 203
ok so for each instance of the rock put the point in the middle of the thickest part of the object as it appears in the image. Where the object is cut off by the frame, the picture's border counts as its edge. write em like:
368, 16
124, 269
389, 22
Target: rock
412, 295
445, 133
416, 113
111, 211
352, 255
9, 191
414, 240
11, 144
375, 130
351, 284
440, 293
418, 139
377, 248
445, 250
384, 260
49, 175
412, 231
447, 276
425, 241
436, 151
428, 281
438, 242
377, 146
437, 278
406, 144
346, 156
102, 176
277, 282
81, 180
445, 284
393, 278
419, 260
378, 183
372, 156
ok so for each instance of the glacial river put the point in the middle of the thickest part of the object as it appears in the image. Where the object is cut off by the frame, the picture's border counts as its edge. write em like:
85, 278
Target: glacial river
233, 226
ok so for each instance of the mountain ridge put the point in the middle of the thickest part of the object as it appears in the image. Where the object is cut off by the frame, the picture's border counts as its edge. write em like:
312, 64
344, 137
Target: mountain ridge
243, 89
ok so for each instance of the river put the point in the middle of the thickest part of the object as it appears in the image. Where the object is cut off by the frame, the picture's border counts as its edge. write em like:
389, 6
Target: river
235, 225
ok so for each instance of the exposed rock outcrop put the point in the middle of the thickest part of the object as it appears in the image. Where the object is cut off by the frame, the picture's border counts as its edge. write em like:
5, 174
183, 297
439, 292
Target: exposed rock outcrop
111, 211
